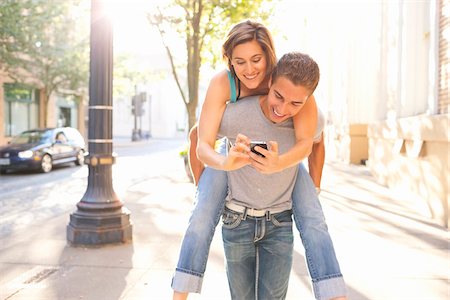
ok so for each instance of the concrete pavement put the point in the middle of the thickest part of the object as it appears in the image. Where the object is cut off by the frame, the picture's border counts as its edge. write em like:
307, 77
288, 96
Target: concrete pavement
386, 249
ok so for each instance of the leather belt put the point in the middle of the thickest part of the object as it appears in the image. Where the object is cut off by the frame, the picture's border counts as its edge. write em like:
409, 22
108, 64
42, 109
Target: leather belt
253, 212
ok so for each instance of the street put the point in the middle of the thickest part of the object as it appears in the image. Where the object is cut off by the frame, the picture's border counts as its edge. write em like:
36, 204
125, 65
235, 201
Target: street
387, 251
28, 197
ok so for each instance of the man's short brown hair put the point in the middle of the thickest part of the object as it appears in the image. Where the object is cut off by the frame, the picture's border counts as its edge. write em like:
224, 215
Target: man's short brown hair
299, 68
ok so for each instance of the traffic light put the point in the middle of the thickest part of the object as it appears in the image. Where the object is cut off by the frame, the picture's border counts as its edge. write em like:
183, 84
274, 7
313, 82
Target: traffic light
137, 104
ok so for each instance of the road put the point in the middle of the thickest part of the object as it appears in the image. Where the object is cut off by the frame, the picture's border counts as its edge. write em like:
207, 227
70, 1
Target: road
28, 198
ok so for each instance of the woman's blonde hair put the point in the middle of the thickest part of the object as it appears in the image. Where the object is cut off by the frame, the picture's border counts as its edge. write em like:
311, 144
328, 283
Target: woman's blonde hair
245, 32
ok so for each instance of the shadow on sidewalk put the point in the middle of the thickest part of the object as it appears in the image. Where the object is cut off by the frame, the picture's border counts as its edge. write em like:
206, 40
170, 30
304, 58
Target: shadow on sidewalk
93, 273
389, 220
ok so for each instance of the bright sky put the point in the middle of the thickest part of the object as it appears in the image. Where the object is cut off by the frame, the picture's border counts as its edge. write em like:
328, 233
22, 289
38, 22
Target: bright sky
132, 31
133, 34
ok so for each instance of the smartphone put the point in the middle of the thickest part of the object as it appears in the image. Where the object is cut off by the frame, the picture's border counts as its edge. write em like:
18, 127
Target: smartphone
261, 144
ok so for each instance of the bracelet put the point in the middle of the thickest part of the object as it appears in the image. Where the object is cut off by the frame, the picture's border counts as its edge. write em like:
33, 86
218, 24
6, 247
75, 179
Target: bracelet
318, 190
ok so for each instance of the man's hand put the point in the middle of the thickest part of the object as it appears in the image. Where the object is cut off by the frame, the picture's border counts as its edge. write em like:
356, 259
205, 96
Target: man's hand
269, 163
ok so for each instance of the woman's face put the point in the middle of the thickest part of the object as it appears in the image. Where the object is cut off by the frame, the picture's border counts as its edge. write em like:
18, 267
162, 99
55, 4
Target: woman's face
249, 62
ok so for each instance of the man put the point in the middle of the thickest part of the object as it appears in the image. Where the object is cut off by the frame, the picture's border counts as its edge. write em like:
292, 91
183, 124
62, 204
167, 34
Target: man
316, 158
257, 223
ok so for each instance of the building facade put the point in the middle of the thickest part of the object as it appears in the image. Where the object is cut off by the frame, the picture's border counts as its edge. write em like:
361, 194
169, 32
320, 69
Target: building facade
386, 84
22, 108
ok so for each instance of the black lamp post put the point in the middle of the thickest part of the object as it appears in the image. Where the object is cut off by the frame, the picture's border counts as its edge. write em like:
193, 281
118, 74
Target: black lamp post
100, 217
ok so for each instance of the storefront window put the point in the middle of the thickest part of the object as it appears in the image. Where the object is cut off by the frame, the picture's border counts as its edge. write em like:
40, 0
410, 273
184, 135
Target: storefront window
21, 108
67, 109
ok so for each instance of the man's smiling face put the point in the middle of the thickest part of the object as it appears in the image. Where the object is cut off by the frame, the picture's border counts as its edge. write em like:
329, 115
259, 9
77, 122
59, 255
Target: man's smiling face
284, 100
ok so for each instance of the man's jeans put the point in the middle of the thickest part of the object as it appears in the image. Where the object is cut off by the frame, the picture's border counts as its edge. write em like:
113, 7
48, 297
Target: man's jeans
258, 253
323, 266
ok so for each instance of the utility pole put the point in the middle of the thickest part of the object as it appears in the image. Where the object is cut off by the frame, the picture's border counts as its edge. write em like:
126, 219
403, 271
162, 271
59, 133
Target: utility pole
135, 136
149, 116
135, 133
100, 217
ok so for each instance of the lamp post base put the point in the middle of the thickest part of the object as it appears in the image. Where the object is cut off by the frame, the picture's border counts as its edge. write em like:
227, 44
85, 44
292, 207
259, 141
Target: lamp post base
99, 228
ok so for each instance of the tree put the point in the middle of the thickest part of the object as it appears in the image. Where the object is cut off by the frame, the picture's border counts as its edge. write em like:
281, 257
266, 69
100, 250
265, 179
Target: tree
45, 40
201, 24
129, 72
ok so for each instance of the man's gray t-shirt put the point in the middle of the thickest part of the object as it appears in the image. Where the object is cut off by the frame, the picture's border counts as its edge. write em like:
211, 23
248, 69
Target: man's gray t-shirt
247, 186
320, 126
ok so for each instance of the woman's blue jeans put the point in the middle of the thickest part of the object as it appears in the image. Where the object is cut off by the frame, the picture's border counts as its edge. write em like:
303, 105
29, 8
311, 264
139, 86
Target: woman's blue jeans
327, 280
259, 254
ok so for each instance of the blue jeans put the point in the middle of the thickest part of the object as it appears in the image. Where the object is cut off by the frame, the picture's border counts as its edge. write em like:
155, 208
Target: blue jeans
258, 253
327, 280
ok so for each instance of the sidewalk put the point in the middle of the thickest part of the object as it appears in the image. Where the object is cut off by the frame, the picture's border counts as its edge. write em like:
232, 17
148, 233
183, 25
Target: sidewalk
387, 251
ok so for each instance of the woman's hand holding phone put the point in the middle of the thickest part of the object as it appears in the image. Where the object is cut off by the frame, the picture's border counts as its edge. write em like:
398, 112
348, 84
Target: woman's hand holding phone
238, 154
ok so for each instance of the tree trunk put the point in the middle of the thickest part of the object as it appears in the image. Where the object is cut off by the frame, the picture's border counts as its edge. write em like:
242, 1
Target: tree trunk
194, 61
193, 74
192, 118
44, 109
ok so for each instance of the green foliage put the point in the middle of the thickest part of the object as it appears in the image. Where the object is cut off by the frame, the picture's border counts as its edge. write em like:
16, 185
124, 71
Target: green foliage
224, 15
129, 72
211, 21
47, 39
20, 24
183, 152
202, 24
17, 91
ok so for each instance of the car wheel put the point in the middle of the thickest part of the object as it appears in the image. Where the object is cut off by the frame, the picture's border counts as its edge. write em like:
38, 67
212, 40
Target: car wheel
80, 158
46, 164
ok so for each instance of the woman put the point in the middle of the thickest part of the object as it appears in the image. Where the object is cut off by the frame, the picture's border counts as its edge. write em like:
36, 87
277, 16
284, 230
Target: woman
251, 58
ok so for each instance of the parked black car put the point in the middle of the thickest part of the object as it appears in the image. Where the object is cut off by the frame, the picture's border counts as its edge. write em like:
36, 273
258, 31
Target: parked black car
42, 148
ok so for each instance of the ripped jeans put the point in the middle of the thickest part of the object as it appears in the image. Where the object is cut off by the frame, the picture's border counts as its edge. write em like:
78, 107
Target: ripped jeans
327, 280
259, 254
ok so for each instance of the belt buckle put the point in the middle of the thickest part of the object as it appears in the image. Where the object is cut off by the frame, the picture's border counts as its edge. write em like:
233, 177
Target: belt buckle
257, 212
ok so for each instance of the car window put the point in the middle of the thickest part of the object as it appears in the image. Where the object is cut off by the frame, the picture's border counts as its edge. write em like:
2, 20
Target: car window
32, 137
61, 137
69, 133
74, 135
46, 136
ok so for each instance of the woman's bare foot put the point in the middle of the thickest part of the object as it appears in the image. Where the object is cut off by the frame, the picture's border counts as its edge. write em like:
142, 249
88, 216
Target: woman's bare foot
181, 296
